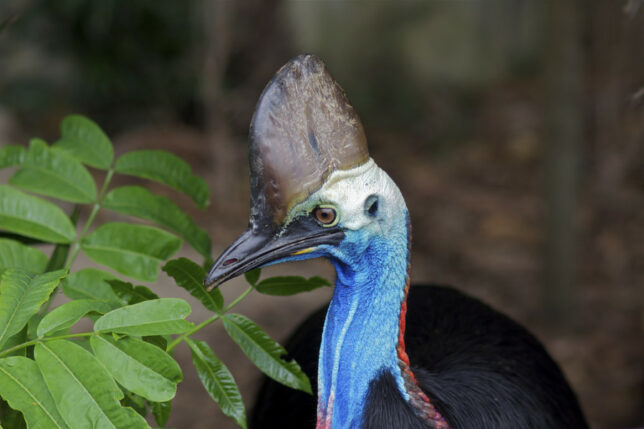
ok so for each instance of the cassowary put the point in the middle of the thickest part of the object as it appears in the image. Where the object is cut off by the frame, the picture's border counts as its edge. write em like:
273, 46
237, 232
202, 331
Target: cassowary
386, 355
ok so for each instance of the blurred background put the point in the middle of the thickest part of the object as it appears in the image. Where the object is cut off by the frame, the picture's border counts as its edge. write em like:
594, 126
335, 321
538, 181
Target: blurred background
515, 129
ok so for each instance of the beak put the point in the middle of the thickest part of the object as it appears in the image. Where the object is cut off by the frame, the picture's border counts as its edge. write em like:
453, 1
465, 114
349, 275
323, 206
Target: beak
258, 247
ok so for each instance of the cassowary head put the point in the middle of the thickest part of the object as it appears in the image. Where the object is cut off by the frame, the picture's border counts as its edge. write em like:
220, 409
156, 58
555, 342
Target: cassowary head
315, 192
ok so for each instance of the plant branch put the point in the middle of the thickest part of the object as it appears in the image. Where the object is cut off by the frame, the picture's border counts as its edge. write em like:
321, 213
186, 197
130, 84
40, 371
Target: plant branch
42, 340
90, 219
208, 321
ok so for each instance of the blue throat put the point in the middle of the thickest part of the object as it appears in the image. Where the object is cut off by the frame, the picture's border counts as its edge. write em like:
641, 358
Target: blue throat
361, 329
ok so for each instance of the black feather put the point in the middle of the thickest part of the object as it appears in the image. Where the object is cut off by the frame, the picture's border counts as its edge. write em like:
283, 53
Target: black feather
480, 369
386, 408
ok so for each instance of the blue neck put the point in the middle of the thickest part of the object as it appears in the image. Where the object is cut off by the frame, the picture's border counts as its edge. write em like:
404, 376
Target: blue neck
362, 324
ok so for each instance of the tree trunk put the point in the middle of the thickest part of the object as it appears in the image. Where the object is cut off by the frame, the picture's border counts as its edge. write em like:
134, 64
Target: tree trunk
562, 137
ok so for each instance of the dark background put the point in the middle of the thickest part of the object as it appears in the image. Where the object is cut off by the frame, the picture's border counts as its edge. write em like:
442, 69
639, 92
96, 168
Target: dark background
514, 128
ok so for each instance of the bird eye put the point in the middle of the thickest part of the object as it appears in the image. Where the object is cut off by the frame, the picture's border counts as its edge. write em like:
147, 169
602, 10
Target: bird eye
325, 215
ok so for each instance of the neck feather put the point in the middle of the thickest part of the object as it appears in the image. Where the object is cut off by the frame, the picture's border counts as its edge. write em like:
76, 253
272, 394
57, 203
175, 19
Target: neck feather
364, 331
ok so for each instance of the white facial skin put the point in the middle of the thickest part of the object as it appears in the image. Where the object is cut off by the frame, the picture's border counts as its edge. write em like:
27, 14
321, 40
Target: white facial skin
348, 192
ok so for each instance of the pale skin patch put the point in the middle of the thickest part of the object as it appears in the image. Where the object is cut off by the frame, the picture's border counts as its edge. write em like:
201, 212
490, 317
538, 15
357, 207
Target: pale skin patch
347, 191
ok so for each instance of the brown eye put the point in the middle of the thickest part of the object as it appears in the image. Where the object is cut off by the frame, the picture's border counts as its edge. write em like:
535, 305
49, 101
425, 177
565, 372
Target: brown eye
324, 215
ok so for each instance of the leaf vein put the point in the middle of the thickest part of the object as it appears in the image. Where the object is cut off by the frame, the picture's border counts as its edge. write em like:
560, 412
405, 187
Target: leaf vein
34, 398
69, 370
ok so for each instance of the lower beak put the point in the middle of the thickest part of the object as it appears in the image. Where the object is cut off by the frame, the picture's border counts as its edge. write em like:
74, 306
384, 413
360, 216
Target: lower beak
255, 248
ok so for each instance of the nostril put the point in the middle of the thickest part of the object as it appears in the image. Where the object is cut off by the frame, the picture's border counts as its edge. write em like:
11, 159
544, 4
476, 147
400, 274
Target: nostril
230, 261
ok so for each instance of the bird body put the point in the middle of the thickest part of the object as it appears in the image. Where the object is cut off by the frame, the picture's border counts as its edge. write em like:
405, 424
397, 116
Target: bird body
448, 362
478, 367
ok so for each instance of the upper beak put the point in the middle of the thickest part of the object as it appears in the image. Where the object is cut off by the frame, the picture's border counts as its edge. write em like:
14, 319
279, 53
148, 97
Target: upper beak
258, 247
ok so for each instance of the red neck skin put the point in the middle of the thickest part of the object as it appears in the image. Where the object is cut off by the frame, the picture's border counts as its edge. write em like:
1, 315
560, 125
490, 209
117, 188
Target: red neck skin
417, 398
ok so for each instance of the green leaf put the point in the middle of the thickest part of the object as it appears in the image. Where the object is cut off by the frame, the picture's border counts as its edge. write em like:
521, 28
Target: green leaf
134, 401
218, 381
32, 325
252, 276
17, 339
138, 201
160, 341
138, 366
290, 285
51, 172
133, 250
85, 394
265, 352
34, 217
13, 254
89, 283
21, 295
161, 412
68, 314
129, 294
11, 155
190, 276
156, 317
12, 419
59, 256
23, 386
21, 239
166, 168
207, 263
85, 140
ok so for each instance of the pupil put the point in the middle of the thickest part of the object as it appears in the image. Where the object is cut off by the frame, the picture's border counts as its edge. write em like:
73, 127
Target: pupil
325, 215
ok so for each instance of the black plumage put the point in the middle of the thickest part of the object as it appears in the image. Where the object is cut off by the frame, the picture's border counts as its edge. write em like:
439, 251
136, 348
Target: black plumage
481, 369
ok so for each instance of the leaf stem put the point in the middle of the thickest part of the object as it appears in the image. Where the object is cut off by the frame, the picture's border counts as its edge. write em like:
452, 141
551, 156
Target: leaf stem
58, 260
208, 321
90, 219
43, 339
238, 299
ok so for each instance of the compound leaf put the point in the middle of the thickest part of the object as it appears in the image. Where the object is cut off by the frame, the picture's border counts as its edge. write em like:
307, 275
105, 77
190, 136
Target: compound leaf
23, 386
68, 314
252, 276
14, 254
85, 140
54, 173
290, 285
166, 168
21, 295
161, 412
138, 366
130, 294
138, 201
218, 381
85, 394
190, 276
11, 155
89, 283
265, 352
133, 250
155, 317
34, 217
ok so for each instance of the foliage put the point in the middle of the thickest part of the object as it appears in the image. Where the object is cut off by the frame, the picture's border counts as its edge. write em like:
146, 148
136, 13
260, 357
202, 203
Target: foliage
51, 375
